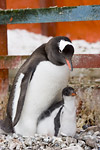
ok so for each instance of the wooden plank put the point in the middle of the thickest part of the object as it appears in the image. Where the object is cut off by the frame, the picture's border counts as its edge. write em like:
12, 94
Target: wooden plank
79, 61
3, 40
55, 14
48, 29
12, 62
3, 4
3, 32
86, 61
3, 72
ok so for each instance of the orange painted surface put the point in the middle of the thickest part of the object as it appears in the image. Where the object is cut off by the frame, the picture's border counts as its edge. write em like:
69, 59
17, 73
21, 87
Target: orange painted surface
88, 30
61, 3
18, 4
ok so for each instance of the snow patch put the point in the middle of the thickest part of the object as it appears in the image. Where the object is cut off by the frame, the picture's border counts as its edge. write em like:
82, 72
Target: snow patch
84, 47
22, 42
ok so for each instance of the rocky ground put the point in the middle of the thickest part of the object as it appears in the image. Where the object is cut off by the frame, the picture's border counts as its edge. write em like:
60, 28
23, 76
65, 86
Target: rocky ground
88, 114
88, 139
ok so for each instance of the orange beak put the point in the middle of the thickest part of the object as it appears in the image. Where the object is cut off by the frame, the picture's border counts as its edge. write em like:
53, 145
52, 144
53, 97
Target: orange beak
69, 63
73, 94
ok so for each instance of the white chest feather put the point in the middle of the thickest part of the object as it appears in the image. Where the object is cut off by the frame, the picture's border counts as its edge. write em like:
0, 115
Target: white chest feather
46, 85
68, 118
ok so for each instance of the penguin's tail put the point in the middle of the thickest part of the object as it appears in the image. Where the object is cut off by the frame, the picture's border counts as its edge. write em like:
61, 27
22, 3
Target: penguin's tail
6, 127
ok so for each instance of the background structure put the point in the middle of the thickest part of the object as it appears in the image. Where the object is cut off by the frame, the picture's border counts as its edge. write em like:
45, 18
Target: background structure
87, 30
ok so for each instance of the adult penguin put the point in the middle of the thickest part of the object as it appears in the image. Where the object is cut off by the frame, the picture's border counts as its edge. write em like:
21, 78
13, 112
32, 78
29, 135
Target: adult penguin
37, 84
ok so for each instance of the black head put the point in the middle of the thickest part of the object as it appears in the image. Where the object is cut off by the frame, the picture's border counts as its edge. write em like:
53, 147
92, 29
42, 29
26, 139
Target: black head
60, 51
68, 91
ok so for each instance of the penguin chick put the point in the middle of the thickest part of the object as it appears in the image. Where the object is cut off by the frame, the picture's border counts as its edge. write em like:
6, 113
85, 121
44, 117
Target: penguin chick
59, 118
37, 84
68, 114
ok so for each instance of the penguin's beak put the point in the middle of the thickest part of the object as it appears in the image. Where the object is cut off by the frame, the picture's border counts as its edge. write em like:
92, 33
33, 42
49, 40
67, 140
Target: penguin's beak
69, 63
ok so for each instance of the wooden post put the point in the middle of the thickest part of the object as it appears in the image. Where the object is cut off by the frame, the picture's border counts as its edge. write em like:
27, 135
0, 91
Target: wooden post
3, 72
48, 29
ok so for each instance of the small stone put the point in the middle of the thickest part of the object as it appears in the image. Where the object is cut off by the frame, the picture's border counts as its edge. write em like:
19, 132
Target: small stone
97, 133
81, 143
48, 148
91, 143
77, 147
58, 139
87, 148
70, 140
98, 148
15, 135
86, 137
47, 140
85, 127
28, 141
56, 144
63, 145
18, 147
8, 137
90, 132
12, 145
72, 144
63, 138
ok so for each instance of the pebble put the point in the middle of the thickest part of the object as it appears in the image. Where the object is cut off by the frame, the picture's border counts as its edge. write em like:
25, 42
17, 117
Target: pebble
83, 140
91, 143
97, 133
81, 143
77, 147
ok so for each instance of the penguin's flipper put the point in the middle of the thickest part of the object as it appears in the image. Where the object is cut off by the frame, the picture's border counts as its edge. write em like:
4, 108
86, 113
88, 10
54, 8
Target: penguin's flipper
21, 99
24, 76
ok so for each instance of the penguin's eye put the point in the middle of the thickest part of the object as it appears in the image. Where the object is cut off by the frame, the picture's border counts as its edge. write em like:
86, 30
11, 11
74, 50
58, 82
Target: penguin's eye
60, 51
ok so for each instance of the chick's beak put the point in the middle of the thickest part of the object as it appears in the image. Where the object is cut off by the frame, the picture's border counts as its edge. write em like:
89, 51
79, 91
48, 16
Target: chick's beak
73, 94
69, 63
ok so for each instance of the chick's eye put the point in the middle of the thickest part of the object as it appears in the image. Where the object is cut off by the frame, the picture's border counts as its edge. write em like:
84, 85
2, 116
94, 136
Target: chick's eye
60, 51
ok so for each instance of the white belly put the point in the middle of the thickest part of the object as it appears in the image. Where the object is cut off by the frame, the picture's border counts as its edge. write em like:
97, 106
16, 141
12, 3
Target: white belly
68, 119
46, 85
